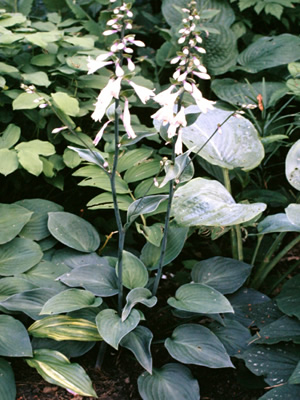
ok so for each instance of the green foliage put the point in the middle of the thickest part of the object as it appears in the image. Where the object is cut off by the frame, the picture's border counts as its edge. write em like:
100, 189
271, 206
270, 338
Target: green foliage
272, 7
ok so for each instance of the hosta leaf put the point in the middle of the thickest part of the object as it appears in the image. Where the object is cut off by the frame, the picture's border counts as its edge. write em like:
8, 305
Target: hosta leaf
93, 156
44, 275
237, 146
36, 228
38, 78
7, 381
268, 52
293, 214
133, 157
13, 285
199, 298
112, 329
10, 136
26, 101
295, 377
195, 344
8, 161
207, 202
100, 280
135, 296
14, 339
12, 213
276, 363
71, 159
73, 231
153, 233
239, 93
292, 165
63, 327
142, 171
277, 223
70, 300
29, 302
18, 256
138, 342
284, 392
56, 369
289, 298
181, 171
31, 162
69, 105
73, 258
145, 205
37, 146
105, 201
70, 348
135, 273
172, 381
224, 274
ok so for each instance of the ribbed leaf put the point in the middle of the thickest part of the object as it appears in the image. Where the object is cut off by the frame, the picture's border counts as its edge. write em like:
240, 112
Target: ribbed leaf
172, 381
104, 201
14, 339
56, 369
284, 392
145, 205
12, 213
142, 171
73, 231
133, 157
199, 298
289, 298
73, 258
13, 285
195, 344
7, 381
138, 342
18, 256
207, 202
112, 329
223, 274
44, 275
70, 348
70, 300
236, 145
135, 273
93, 156
135, 296
102, 281
63, 327
277, 223
292, 165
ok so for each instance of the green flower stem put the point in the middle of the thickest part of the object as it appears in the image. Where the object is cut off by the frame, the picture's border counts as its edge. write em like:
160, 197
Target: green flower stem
260, 277
259, 240
239, 242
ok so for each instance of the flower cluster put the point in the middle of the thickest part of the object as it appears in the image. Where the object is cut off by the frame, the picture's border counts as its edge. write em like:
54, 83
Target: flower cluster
189, 66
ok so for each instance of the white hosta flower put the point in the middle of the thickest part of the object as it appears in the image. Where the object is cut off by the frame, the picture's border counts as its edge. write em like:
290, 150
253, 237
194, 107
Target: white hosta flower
179, 120
57, 130
143, 93
166, 97
112, 89
201, 75
119, 71
164, 114
130, 64
99, 62
127, 121
178, 144
201, 102
100, 133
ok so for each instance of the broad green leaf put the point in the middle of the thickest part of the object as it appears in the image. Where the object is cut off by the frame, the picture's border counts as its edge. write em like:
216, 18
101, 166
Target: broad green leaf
86, 42
38, 78
293, 214
293, 86
145, 205
14, 339
44, 275
277, 223
43, 60
153, 233
56, 369
63, 327
8, 161
181, 171
31, 162
7, 381
42, 39
233, 335
12, 219
100, 280
239, 93
268, 52
207, 202
276, 363
93, 156
138, 342
135, 296
71, 159
73, 258
199, 298
13, 285
10, 136
69, 105
295, 377
6, 69
172, 381
133, 157
78, 138
148, 188
70, 348
112, 329
12, 19
36, 228
96, 177
105, 201
37, 146
284, 329
235, 144
292, 165
141, 171
18, 256
70, 300
73, 231
195, 344
134, 274
226, 275
289, 298
284, 392
26, 101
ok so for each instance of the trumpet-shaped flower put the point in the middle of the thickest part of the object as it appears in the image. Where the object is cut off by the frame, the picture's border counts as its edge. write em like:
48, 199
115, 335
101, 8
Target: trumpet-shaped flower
112, 89
143, 93
99, 62
100, 133
178, 144
166, 97
127, 121
164, 114
201, 102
